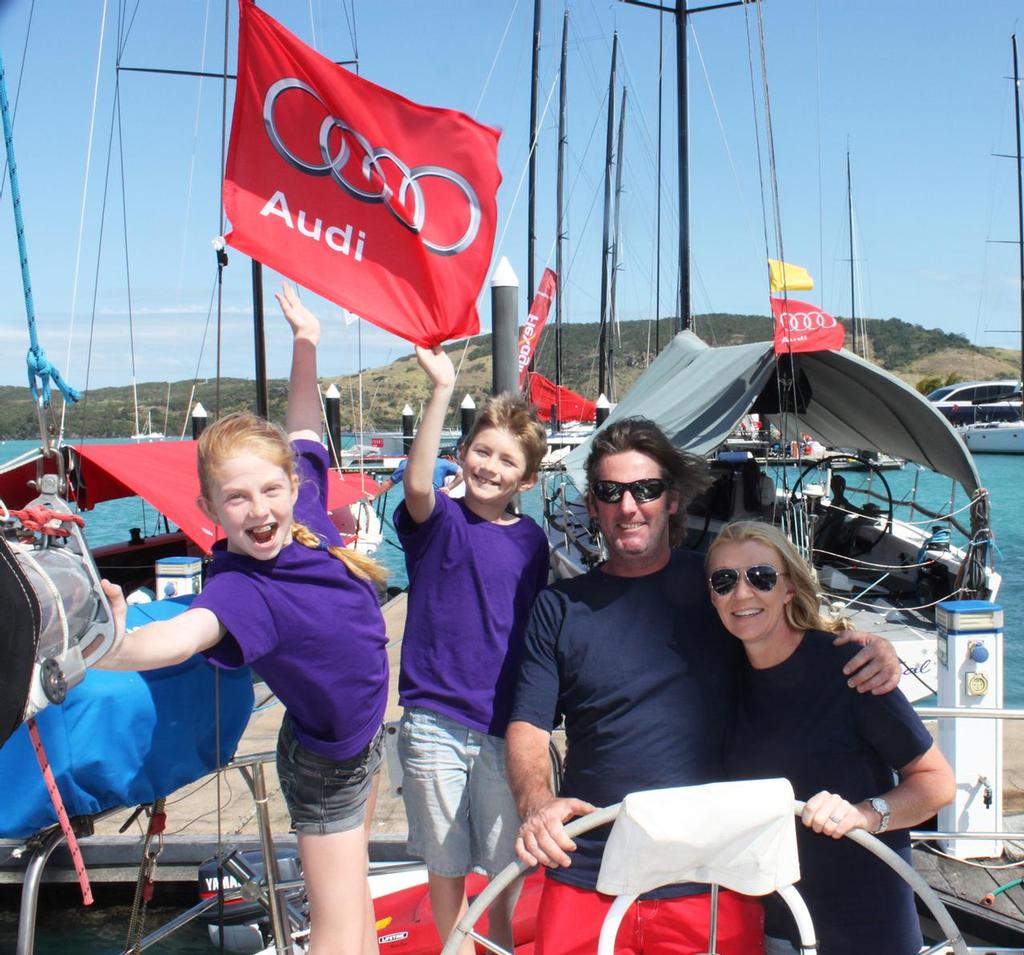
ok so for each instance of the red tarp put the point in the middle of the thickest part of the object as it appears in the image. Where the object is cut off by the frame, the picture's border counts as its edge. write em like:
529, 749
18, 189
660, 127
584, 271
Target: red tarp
163, 473
571, 407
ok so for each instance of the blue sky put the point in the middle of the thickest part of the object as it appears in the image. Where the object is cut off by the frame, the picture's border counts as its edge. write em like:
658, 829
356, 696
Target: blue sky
919, 90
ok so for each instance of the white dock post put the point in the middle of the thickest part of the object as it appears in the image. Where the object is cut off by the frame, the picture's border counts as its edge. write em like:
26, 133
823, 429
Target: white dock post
970, 654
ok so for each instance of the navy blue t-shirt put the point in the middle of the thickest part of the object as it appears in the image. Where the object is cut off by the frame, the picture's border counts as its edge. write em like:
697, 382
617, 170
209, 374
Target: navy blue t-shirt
644, 674
800, 720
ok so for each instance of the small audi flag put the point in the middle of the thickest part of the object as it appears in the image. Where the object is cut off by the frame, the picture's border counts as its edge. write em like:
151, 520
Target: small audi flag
530, 335
380, 205
802, 327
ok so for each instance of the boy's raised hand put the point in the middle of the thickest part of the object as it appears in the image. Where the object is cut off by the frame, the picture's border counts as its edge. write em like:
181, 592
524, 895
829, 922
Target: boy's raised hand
437, 365
304, 323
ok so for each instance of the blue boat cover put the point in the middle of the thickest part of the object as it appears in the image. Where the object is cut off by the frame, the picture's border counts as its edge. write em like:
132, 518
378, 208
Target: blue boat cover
122, 739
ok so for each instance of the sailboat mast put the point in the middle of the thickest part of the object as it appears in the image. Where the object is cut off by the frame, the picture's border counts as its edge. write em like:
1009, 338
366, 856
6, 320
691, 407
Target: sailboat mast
853, 292
602, 373
560, 202
531, 238
615, 248
1020, 208
682, 111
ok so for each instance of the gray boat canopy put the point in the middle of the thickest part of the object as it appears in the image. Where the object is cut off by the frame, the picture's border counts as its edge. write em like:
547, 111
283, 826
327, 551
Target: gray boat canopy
698, 394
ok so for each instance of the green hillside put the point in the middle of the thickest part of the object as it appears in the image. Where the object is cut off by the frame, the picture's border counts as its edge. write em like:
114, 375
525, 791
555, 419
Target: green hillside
910, 351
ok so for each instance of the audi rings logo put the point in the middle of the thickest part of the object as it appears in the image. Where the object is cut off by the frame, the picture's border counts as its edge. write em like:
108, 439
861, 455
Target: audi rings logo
806, 321
334, 161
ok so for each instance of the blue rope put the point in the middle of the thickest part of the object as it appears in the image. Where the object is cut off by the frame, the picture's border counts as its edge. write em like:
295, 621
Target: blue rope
39, 366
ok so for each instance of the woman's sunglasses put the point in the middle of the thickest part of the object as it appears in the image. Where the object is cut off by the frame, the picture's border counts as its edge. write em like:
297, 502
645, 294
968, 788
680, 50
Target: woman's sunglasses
761, 577
648, 489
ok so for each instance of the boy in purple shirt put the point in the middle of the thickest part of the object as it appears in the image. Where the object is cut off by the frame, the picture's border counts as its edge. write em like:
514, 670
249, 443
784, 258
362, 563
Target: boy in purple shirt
474, 571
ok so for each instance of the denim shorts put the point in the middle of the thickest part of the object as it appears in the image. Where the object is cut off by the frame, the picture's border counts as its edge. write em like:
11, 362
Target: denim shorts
457, 799
324, 795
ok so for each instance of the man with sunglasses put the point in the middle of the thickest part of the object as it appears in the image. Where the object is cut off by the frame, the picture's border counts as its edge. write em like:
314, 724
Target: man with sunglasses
635, 659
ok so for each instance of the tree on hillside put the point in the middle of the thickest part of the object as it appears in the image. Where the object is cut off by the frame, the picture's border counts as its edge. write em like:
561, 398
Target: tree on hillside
927, 385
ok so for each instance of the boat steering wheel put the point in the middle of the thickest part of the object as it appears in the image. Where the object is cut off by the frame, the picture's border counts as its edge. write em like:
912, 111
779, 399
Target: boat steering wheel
465, 928
884, 513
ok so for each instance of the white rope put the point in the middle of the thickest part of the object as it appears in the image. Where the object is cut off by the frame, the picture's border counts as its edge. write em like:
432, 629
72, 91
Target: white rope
900, 607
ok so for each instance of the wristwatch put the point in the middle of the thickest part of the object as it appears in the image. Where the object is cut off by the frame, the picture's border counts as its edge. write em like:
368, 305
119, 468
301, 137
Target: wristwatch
882, 808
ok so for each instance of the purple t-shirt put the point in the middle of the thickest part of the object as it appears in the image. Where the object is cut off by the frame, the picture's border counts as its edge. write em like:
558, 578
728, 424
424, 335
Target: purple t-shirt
313, 631
471, 585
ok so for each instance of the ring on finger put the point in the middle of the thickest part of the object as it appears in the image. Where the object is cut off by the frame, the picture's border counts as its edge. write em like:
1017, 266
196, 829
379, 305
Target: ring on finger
836, 819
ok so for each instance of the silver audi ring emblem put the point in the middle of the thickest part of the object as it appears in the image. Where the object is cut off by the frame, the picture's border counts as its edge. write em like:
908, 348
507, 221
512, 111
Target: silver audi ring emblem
806, 321
373, 158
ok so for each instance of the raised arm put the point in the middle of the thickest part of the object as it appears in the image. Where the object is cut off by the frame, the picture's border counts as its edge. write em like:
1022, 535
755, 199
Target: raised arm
419, 471
927, 784
162, 643
542, 839
303, 389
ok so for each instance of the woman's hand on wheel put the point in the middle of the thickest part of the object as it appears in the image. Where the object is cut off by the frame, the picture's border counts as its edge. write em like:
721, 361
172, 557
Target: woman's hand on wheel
831, 815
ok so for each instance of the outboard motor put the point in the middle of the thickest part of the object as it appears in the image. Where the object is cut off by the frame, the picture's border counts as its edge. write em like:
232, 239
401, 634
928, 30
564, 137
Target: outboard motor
244, 924
57, 619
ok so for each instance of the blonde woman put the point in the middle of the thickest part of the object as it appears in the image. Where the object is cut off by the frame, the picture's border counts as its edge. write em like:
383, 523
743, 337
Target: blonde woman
860, 761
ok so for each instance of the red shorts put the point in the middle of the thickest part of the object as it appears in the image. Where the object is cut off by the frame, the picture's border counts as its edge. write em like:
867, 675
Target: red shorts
569, 923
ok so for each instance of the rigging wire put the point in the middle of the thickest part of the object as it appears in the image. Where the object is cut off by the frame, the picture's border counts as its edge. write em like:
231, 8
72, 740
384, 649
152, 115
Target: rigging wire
124, 227
497, 56
192, 158
350, 22
96, 277
519, 185
312, 27
81, 218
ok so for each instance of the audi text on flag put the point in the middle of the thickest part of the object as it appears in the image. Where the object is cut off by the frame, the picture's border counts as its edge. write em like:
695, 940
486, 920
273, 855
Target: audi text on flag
530, 334
802, 327
381, 205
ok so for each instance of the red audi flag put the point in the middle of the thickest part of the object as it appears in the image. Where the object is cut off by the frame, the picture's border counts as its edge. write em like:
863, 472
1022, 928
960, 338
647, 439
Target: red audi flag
379, 204
530, 334
803, 327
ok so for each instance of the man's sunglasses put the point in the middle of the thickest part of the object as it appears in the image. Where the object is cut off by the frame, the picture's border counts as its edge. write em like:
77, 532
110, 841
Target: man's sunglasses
761, 577
647, 489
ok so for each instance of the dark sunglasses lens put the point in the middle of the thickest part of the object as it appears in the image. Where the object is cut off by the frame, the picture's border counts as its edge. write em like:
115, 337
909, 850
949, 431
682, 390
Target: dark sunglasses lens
609, 492
648, 490
763, 577
724, 580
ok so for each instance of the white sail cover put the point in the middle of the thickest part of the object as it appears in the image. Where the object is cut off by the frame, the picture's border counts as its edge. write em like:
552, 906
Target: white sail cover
698, 394
741, 835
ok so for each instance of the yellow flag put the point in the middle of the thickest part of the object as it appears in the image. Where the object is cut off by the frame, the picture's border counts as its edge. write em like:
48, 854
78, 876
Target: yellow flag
788, 278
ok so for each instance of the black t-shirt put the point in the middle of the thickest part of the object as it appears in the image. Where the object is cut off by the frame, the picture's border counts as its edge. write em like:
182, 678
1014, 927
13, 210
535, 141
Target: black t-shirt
800, 720
645, 676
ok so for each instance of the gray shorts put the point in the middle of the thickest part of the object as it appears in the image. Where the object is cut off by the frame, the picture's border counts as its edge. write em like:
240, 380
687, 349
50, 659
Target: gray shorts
461, 812
323, 795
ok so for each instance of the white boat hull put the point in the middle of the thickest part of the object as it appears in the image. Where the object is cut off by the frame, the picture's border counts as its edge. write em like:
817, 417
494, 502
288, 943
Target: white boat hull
997, 437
